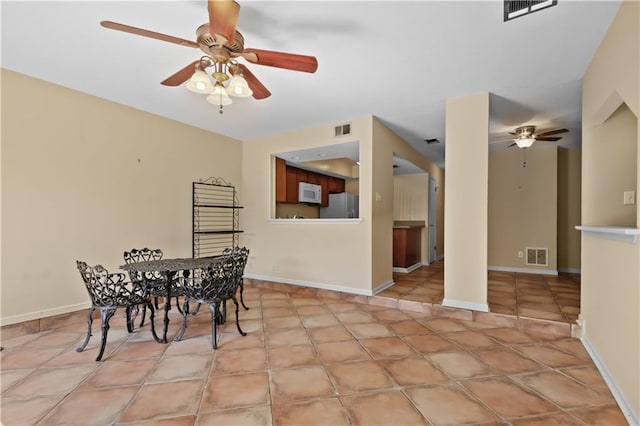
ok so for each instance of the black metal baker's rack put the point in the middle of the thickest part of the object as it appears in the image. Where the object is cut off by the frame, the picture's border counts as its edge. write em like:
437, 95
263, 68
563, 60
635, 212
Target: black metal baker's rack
216, 217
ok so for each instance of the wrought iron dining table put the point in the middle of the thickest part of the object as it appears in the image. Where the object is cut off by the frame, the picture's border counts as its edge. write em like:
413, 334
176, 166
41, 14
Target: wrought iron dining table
168, 268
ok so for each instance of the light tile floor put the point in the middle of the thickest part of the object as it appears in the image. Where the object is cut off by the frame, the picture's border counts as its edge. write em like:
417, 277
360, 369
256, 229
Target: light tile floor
309, 358
548, 297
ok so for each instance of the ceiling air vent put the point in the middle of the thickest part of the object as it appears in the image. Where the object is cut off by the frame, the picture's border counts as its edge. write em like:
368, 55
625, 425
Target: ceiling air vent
342, 130
517, 8
432, 141
537, 256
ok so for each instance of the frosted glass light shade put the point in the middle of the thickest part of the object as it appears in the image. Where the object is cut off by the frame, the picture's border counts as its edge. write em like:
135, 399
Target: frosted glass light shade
200, 82
219, 96
524, 142
238, 87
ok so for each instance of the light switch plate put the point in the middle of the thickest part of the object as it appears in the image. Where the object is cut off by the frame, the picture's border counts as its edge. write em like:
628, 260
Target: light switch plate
629, 197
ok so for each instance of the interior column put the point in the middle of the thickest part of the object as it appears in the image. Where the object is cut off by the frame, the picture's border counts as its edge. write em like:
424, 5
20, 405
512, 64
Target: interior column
466, 202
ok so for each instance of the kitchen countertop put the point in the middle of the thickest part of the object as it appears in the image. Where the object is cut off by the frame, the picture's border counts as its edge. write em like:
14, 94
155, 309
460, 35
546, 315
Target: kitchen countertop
406, 224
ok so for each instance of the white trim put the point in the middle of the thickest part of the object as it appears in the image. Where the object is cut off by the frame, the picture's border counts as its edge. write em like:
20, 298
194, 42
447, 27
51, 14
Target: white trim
523, 270
624, 405
315, 221
322, 286
482, 307
383, 287
570, 270
44, 314
617, 233
407, 270
439, 257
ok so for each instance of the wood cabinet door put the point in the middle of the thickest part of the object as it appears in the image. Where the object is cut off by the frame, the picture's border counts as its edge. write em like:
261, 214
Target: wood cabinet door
281, 180
336, 185
292, 185
324, 184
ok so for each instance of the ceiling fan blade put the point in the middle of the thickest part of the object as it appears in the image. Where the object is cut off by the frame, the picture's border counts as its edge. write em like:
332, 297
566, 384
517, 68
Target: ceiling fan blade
223, 17
289, 61
549, 138
513, 144
146, 33
551, 132
181, 76
258, 89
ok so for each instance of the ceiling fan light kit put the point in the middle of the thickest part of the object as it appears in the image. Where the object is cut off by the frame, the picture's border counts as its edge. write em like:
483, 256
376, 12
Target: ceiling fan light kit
524, 142
526, 136
222, 44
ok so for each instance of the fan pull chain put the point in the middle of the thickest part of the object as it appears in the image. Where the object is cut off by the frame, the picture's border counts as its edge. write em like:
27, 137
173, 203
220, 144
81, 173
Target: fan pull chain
524, 158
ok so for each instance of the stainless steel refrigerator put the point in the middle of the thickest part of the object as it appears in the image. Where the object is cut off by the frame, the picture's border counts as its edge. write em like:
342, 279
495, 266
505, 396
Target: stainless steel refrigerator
343, 205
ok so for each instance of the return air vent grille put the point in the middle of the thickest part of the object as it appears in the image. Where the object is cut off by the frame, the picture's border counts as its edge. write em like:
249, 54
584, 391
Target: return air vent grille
343, 130
516, 8
537, 256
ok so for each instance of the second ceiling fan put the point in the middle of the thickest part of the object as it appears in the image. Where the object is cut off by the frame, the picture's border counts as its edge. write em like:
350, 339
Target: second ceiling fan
222, 45
526, 136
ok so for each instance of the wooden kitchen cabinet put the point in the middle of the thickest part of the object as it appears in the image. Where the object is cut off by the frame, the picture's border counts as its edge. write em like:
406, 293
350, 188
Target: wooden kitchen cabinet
406, 246
288, 178
292, 185
336, 185
281, 180
323, 181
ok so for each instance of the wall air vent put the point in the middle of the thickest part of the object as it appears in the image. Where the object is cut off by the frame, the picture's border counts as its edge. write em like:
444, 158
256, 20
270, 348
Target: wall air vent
537, 256
342, 130
517, 8
432, 141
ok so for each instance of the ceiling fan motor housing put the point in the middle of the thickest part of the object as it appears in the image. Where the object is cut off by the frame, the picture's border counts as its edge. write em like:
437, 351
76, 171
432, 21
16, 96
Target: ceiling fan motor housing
525, 131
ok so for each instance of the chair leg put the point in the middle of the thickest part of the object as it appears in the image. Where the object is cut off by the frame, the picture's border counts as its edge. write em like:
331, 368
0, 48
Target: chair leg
129, 318
185, 314
235, 301
135, 311
241, 297
178, 304
151, 320
144, 314
105, 314
89, 323
214, 324
197, 309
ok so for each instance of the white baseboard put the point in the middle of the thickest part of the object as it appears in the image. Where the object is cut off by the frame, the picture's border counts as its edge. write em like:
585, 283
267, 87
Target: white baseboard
383, 287
322, 286
625, 407
570, 270
14, 319
407, 270
523, 270
481, 307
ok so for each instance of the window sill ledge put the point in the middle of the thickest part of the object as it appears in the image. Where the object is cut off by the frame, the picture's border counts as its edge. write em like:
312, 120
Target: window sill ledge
315, 221
618, 233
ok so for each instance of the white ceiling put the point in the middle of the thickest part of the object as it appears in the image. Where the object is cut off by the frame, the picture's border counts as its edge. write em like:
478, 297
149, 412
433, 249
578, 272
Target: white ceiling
399, 61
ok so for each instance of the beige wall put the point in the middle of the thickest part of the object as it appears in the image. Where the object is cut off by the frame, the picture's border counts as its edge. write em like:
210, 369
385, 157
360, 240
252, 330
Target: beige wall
613, 150
85, 178
410, 202
610, 292
523, 205
335, 256
466, 204
569, 202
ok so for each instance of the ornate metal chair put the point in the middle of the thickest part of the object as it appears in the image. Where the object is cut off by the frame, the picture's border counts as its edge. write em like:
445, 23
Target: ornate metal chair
151, 281
244, 253
213, 286
108, 292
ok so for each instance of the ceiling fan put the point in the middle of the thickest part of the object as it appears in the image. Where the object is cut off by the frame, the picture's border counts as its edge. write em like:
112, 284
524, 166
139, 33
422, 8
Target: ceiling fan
223, 45
525, 136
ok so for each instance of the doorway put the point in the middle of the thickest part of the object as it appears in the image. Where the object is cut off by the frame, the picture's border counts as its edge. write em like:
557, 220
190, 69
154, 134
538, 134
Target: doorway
433, 202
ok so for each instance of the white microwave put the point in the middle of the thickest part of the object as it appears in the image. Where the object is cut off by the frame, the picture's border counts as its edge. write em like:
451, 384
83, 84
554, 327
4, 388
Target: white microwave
309, 193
